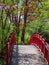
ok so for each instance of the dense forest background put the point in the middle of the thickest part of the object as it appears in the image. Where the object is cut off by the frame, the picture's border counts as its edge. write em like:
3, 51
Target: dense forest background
24, 17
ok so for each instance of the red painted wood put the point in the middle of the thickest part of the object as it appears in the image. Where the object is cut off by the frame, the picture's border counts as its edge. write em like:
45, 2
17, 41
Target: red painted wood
47, 52
7, 53
38, 40
9, 45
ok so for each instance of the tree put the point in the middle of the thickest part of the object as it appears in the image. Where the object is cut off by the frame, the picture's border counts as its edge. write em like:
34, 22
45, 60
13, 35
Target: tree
30, 6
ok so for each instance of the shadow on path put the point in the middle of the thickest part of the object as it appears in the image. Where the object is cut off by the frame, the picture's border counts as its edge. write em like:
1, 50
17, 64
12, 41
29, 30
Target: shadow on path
14, 56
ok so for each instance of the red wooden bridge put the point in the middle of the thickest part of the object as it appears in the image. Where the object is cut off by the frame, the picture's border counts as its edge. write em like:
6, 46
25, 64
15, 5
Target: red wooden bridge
38, 48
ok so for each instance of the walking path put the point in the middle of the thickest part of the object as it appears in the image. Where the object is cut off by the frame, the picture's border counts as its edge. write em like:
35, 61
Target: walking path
26, 55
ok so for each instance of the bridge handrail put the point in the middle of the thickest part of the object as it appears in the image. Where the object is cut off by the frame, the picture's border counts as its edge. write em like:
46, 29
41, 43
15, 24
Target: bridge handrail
9, 45
38, 40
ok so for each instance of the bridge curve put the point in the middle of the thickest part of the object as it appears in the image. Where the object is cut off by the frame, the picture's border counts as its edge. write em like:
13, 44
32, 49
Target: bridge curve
36, 39
9, 46
39, 41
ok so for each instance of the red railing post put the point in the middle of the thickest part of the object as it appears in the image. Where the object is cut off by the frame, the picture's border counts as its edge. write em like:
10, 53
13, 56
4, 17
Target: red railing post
7, 53
47, 52
43, 46
9, 45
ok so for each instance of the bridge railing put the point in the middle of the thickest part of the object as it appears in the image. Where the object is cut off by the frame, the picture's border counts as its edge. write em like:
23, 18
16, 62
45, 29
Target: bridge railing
9, 45
38, 40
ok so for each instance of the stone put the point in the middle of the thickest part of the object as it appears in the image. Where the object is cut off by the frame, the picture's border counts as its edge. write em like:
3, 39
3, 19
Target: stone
26, 55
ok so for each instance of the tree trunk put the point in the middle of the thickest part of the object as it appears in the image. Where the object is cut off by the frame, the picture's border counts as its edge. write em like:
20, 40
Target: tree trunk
25, 18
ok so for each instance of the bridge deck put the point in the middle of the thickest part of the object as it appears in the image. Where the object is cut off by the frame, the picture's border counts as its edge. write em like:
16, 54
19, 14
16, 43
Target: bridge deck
26, 55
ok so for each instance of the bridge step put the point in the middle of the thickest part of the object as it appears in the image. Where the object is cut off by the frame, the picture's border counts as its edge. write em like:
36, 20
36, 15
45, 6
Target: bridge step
26, 55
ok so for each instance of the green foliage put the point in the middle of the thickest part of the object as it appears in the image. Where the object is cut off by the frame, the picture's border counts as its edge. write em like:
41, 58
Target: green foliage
39, 24
6, 27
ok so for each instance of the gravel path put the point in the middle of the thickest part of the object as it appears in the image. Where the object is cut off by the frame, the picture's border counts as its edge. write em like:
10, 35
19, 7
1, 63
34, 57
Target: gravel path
26, 55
